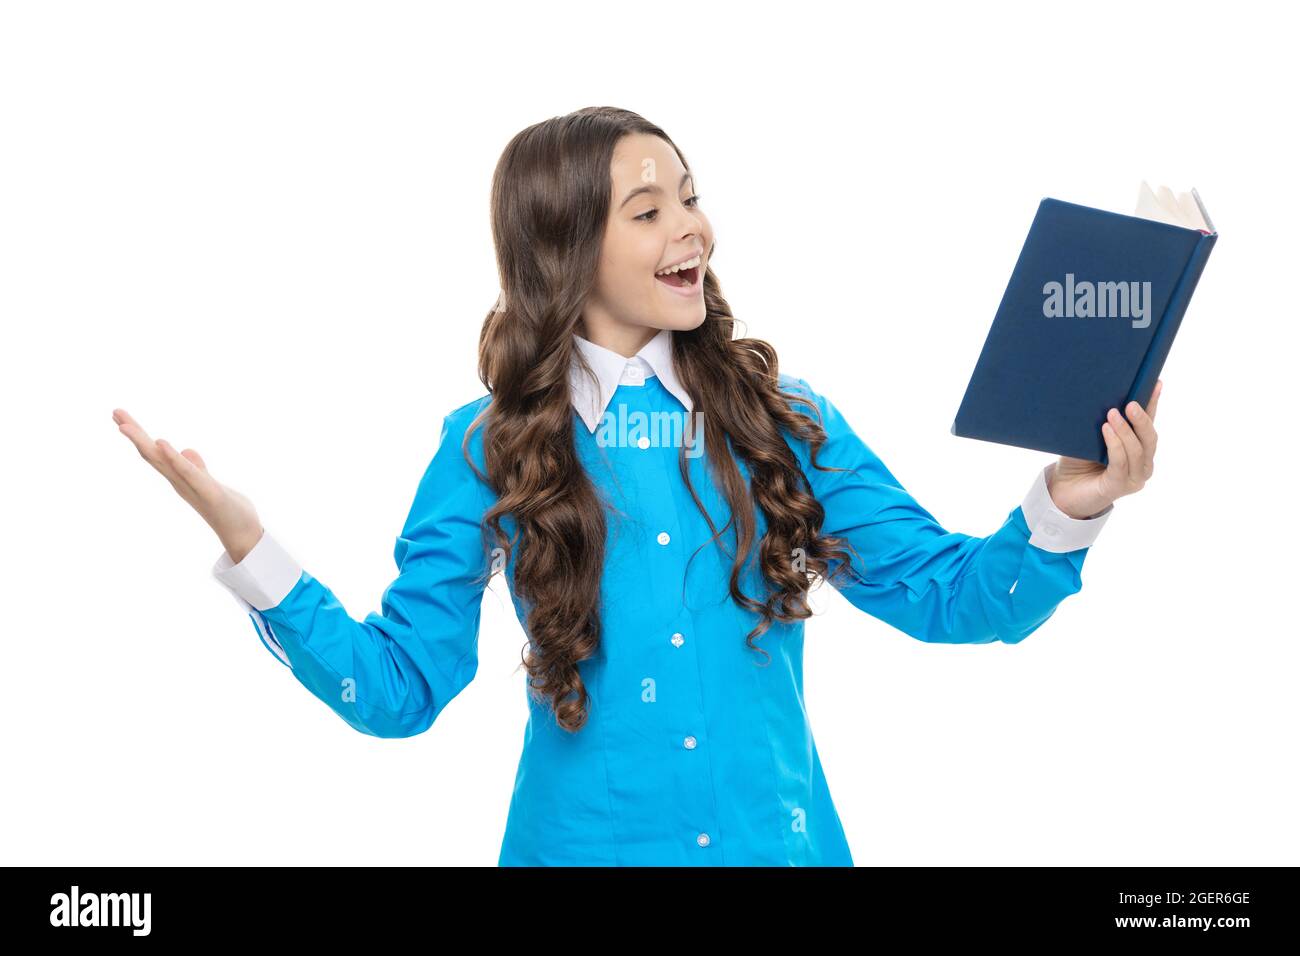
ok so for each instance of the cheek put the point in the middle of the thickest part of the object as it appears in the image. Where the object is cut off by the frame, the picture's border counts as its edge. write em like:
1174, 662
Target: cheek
649, 253
628, 261
635, 270
625, 278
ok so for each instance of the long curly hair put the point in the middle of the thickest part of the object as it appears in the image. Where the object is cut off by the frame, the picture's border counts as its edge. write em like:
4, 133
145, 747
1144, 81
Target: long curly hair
550, 200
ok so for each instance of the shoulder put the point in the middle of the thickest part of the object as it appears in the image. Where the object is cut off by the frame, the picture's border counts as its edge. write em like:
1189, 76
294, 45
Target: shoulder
457, 422
460, 417
804, 399
842, 445
793, 384
451, 495
449, 461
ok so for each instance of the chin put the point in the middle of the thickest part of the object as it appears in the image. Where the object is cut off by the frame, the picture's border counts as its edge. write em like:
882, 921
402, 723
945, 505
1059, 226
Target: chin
683, 323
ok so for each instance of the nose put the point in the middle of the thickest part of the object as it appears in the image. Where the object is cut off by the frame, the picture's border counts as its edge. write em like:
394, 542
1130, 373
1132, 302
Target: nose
691, 225
689, 217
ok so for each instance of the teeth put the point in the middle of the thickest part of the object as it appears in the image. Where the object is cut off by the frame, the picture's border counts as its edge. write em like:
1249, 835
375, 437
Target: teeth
688, 264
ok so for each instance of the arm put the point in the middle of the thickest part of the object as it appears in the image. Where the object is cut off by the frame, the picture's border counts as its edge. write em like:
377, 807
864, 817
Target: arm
931, 583
391, 673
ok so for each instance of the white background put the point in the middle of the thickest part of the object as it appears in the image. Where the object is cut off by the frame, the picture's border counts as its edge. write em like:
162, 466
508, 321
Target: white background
262, 228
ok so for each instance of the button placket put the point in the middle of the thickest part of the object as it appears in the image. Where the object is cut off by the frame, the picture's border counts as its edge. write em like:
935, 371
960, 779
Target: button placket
682, 678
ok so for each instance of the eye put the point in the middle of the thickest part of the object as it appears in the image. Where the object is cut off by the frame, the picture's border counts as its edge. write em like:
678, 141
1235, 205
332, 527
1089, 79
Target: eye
651, 215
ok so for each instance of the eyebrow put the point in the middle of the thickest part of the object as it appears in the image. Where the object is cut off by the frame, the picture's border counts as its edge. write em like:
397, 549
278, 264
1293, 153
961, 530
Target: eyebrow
651, 188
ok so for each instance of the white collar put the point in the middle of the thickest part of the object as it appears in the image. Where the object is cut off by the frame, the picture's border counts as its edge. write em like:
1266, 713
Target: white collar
613, 370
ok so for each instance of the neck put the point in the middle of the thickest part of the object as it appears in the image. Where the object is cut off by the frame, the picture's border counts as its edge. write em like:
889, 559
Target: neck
618, 337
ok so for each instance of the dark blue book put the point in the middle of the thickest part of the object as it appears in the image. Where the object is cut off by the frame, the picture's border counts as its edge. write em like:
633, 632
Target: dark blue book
1086, 322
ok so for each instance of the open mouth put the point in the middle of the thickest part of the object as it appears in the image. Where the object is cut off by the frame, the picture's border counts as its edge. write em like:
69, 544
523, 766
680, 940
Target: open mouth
683, 278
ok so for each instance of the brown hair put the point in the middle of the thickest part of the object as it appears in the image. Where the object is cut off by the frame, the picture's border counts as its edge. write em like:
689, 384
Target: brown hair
550, 202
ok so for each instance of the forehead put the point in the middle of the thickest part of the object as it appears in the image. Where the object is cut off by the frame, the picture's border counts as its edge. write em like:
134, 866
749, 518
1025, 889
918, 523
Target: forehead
640, 158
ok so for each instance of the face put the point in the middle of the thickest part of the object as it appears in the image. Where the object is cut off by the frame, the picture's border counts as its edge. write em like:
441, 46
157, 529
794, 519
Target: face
654, 223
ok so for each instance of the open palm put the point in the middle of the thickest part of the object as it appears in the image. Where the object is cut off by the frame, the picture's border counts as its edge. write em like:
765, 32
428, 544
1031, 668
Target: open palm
230, 514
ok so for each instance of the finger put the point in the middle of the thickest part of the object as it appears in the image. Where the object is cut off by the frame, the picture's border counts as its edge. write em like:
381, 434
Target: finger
1146, 433
1132, 447
179, 471
128, 426
1116, 455
195, 457
1155, 398
186, 471
168, 470
145, 445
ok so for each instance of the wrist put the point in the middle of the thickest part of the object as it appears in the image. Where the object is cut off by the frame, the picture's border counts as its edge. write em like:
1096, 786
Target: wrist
238, 546
1093, 511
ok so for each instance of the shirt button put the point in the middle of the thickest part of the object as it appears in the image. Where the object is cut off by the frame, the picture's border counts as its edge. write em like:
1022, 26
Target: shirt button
643, 442
1051, 530
678, 640
702, 839
663, 537
689, 743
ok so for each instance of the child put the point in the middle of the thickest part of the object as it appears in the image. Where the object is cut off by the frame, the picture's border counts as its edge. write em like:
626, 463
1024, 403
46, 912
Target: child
660, 499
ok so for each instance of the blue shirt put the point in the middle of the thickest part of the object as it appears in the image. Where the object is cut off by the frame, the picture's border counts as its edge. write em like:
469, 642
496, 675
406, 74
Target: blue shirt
697, 750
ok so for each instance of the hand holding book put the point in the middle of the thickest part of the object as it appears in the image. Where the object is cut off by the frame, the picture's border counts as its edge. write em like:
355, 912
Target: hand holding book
1083, 488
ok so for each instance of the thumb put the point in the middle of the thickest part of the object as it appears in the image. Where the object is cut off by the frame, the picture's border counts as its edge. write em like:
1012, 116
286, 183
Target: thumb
195, 457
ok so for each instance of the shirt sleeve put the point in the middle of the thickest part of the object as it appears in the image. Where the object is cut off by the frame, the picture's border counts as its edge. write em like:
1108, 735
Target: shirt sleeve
934, 584
391, 673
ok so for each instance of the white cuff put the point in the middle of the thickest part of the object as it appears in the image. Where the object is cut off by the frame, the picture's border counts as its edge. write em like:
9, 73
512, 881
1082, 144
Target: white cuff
264, 578
1052, 529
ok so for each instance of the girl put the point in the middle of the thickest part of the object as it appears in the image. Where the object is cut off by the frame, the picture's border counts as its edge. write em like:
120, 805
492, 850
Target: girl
660, 499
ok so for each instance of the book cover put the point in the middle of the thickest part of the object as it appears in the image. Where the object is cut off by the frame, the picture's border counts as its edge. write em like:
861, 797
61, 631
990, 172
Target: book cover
1086, 322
